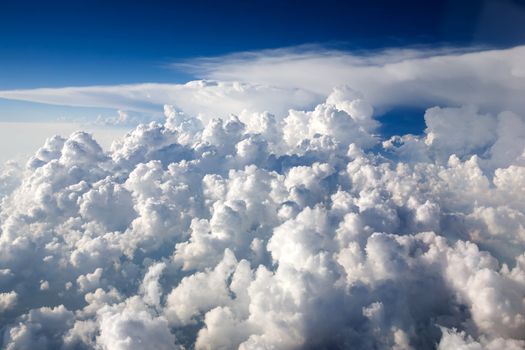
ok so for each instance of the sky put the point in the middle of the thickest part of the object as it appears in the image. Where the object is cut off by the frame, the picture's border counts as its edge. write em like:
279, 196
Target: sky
262, 175
60, 44
78, 43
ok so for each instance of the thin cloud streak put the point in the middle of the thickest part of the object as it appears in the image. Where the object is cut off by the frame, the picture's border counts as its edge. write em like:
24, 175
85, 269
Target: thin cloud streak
301, 77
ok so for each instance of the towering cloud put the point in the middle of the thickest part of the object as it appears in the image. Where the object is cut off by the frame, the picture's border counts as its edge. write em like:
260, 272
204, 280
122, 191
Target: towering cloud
260, 231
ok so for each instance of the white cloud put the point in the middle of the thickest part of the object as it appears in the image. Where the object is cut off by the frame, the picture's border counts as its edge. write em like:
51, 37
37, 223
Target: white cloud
7, 301
131, 326
36, 132
421, 77
205, 98
150, 286
276, 80
89, 281
305, 230
40, 328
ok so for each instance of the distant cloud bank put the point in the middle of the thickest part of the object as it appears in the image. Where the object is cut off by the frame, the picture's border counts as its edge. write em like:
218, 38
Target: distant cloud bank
301, 77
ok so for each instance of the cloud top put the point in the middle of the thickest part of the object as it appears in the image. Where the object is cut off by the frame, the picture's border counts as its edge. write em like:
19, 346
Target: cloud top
301, 77
299, 230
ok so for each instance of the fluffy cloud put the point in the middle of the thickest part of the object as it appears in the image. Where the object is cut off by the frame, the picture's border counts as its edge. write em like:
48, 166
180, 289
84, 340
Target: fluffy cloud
7, 301
132, 326
262, 231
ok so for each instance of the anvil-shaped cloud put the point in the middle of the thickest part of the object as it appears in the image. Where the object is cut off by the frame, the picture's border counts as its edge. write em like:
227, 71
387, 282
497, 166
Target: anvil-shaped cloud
301, 77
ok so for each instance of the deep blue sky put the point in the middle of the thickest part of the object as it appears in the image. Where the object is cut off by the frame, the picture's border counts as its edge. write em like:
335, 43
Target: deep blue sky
64, 43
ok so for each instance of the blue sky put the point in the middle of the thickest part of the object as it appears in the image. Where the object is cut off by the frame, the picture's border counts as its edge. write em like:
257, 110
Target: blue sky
72, 43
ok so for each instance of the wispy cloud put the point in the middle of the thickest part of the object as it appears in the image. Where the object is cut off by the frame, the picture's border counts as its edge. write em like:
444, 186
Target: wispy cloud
300, 77
203, 98
416, 76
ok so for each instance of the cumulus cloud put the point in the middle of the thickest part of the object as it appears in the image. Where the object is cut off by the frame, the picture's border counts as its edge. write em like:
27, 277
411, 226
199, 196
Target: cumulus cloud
260, 231
7, 301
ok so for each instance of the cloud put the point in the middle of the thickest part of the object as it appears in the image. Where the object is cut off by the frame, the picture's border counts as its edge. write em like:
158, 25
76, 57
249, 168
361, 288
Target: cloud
300, 78
35, 134
413, 77
7, 301
131, 326
199, 98
259, 231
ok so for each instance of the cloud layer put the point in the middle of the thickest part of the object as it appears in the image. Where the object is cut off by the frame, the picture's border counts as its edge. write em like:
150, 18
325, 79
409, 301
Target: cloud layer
301, 77
420, 77
266, 232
